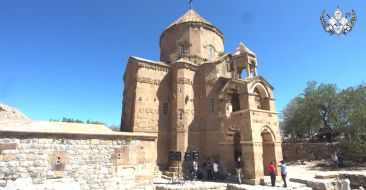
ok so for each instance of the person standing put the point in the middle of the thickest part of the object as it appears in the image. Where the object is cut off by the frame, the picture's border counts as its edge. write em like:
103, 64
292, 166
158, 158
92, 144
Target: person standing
209, 169
215, 166
272, 172
283, 172
340, 159
346, 184
335, 160
339, 183
239, 166
195, 170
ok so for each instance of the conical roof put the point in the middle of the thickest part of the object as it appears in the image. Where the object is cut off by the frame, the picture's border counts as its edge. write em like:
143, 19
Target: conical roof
190, 16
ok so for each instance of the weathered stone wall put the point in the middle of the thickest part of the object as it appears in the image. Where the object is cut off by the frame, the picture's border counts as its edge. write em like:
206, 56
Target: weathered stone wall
307, 151
88, 161
315, 151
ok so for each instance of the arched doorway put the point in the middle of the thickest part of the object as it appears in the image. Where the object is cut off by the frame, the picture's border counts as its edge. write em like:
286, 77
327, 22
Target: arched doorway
237, 147
268, 148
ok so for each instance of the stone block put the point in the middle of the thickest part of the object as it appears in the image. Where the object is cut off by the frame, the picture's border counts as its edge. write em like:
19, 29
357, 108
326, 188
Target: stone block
7, 157
94, 141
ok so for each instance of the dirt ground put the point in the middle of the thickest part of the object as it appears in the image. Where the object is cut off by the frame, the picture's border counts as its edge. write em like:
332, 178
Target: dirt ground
311, 169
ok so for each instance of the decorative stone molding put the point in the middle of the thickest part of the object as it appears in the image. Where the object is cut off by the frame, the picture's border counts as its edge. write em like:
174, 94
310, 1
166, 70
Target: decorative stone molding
184, 81
148, 80
185, 66
154, 67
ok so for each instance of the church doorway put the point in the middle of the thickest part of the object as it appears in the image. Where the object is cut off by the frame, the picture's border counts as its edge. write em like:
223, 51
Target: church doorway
268, 149
237, 148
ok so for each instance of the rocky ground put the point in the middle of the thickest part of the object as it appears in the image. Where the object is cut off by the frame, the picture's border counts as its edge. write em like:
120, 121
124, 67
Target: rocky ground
10, 113
301, 176
316, 169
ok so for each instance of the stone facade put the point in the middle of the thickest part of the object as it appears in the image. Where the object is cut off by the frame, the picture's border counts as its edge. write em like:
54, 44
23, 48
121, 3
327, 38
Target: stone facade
82, 161
196, 98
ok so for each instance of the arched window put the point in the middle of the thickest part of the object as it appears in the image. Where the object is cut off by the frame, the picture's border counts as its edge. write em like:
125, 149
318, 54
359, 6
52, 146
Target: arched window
257, 98
261, 97
235, 102
182, 50
165, 108
210, 52
180, 114
212, 105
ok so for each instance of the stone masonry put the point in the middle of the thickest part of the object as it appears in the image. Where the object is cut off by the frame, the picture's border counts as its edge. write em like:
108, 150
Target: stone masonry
89, 161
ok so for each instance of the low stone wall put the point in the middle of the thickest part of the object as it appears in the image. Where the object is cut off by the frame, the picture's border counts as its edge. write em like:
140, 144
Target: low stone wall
86, 161
315, 151
307, 151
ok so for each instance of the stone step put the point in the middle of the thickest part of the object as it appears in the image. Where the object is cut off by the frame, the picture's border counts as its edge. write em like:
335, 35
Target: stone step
198, 185
315, 183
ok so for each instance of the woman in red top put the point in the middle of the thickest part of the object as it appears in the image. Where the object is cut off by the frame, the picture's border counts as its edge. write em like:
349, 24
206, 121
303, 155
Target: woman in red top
272, 173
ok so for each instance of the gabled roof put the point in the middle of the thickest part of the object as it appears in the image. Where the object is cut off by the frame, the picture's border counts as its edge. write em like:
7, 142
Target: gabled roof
190, 16
148, 61
241, 49
182, 60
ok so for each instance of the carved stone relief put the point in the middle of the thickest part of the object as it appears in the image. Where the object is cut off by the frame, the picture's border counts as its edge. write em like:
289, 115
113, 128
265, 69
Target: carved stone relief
153, 67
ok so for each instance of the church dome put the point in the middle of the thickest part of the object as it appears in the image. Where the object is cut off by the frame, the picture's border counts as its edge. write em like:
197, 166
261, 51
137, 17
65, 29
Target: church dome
193, 37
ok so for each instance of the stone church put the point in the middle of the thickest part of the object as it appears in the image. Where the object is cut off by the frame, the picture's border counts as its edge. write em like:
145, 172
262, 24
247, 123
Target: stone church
200, 98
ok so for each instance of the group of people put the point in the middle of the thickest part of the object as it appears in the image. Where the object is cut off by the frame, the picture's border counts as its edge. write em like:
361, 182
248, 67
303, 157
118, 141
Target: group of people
272, 172
208, 171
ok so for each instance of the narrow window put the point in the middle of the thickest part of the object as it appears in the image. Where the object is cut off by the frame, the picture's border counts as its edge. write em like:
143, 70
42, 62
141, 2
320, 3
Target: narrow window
180, 115
212, 105
119, 156
58, 161
165, 108
182, 50
210, 52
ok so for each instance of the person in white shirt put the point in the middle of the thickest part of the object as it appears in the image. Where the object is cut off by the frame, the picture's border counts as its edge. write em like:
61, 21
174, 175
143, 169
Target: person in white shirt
335, 160
346, 184
215, 169
338, 183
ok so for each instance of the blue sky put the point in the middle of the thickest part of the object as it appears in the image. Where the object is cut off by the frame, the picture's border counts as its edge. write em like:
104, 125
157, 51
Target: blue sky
67, 58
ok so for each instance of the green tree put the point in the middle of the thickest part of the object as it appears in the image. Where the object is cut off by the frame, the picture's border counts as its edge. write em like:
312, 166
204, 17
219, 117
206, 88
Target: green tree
311, 110
325, 106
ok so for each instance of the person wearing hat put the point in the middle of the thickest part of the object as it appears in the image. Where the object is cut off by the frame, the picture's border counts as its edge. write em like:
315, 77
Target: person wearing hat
283, 172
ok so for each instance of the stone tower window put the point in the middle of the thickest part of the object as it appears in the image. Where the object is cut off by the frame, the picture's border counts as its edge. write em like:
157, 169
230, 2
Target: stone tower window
257, 99
165, 108
182, 50
180, 115
210, 52
119, 156
212, 105
261, 98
